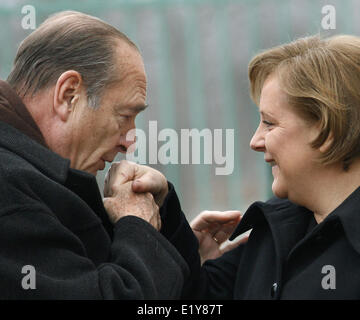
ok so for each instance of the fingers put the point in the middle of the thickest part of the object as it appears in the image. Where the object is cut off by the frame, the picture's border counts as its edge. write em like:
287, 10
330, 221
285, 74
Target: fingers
212, 221
119, 185
220, 236
126, 202
109, 204
155, 219
144, 179
157, 225
118, 174
234, 244
150, 180
146, 183
124, 171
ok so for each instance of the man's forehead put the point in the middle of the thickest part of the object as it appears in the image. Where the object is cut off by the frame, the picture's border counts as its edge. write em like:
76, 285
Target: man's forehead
130, 72
127, 54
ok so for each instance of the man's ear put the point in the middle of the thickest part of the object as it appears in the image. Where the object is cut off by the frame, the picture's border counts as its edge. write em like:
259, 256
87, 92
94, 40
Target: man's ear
67, 92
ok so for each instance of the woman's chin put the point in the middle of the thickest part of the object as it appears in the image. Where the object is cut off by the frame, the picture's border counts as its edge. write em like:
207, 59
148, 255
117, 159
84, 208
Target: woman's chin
278, 191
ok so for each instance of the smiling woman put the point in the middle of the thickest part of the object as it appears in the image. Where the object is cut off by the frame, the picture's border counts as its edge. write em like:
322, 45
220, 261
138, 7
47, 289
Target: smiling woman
285, 138
308, 97
320, 79
304, 243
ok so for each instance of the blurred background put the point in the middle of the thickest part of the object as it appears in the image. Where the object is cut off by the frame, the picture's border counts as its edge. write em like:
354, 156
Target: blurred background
196, 54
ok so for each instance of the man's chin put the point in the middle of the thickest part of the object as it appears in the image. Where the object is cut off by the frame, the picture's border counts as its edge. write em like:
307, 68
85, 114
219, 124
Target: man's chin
92, 170
99, 166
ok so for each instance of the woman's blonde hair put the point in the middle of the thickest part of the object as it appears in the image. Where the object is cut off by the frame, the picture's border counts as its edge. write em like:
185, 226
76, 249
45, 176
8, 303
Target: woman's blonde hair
321, 78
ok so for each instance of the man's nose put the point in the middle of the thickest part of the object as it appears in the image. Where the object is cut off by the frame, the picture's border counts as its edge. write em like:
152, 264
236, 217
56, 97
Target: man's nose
127, 140
257, 142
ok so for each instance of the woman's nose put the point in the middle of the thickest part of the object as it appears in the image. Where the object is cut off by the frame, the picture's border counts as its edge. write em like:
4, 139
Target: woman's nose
257, 142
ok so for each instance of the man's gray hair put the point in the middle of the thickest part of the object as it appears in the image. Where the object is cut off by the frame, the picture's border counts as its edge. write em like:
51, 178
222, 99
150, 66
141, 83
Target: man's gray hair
68, 40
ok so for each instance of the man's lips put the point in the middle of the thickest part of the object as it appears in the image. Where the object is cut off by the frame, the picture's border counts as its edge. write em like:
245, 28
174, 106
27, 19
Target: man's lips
102, 165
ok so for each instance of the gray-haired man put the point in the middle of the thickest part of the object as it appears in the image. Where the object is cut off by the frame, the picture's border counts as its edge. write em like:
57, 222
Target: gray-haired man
73, 94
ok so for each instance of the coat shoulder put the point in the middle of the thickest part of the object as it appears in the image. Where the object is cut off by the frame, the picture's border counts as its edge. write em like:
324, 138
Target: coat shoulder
20, 182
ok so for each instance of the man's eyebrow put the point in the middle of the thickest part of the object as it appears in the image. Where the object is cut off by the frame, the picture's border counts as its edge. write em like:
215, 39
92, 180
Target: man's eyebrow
134, 109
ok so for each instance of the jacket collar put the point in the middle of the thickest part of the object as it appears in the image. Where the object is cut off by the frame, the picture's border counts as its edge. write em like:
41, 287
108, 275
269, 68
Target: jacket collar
45, 160
348, 213
17, 126
20, 134
56, 168
289, 222
275, 212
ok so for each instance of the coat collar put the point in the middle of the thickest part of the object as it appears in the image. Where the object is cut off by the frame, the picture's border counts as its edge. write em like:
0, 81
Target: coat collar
348, 213
56, 168
45, 160
20, 134
17, 126
289, 222
275, 212
14, 112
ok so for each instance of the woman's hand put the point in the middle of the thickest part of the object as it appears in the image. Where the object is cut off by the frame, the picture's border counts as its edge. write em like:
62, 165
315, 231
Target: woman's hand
213, 228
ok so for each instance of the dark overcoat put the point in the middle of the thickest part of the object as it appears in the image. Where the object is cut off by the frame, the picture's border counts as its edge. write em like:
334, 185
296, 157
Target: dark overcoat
56, 241
288, 255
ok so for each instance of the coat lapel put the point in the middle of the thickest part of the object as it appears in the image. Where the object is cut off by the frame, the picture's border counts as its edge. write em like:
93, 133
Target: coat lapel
288, 224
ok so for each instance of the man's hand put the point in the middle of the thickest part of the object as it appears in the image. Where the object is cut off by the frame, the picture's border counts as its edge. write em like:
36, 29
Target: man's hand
125, 202
143, 179
213, 228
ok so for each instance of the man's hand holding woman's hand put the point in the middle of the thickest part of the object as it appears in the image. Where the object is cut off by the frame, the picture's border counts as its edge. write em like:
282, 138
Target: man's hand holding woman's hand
137, 190
133, 189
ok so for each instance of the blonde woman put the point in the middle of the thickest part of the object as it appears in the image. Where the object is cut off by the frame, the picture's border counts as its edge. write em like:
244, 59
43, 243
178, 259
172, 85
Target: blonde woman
305, 242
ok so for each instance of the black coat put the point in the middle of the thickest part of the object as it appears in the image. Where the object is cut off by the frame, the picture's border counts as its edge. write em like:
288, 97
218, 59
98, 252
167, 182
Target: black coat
52, 219
288, 255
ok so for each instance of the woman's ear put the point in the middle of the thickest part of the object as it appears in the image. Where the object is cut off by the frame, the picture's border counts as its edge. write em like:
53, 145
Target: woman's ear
327, 143
67, 93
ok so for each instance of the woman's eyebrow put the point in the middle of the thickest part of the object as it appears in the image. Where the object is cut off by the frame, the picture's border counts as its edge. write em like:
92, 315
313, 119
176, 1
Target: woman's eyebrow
266, 114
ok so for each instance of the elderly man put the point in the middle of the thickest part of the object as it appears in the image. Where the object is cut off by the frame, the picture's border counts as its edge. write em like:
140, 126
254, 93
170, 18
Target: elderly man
72, 96
75, 89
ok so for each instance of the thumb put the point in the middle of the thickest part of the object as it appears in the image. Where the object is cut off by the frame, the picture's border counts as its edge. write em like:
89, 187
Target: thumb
145, 184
